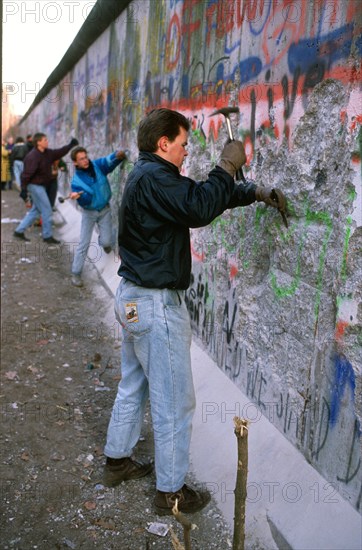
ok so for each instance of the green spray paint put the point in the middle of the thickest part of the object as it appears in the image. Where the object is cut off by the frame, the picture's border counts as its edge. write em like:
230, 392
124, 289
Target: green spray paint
200, 137
283, 291
325, 218
289, 290
220, 224
347, 236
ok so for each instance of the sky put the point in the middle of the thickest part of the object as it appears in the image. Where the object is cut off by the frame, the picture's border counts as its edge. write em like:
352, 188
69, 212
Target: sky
36, 35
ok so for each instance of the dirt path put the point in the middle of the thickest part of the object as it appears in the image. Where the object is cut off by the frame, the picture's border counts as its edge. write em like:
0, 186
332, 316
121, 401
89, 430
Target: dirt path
59, 375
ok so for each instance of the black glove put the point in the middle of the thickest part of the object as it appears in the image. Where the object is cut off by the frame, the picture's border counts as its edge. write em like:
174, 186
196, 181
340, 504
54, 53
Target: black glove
74, 142
23, 194
232, 157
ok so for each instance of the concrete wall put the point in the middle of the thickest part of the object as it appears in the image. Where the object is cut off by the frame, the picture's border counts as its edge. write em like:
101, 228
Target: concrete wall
280, 310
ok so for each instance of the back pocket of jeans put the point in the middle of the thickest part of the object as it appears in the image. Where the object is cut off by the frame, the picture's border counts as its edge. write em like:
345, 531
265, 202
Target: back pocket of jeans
136, 315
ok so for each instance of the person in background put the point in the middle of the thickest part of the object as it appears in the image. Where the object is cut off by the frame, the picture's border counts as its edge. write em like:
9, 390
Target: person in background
29, 142
158, 208
10, 143
63, 173
52, 189
5, 167
90, 187
18, 153
9, 147
35, 178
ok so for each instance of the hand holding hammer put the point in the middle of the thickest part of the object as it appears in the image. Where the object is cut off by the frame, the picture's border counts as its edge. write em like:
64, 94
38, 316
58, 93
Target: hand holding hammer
72, 195
226, 112
232, 157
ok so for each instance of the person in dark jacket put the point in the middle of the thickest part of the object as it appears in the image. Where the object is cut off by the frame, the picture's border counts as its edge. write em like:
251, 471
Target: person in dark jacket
9, 147
29, 142
18, 153
35, 178
158, 208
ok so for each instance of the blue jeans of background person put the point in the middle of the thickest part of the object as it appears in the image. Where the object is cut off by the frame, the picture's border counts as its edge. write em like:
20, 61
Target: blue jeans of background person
18, 168
89, 219
41, 207
155, 363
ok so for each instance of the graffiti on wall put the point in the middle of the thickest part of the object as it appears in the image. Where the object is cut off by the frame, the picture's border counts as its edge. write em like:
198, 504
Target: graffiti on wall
268, 57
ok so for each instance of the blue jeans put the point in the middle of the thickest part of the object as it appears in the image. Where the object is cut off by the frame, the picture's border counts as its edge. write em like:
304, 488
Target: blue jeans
89, 218
41, 207
155, 363
18, 168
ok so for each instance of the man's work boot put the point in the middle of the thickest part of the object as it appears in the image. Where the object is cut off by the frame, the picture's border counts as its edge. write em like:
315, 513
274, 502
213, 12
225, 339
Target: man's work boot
51, 240
21, 236
189, 501
123, 469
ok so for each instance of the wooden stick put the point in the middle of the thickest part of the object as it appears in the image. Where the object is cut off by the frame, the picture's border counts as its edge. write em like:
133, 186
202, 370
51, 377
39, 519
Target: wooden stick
175, 542
186, 524
241, 432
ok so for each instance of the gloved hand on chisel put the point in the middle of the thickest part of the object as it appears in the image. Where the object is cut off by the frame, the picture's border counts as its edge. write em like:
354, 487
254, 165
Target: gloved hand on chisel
232, 157
273, 197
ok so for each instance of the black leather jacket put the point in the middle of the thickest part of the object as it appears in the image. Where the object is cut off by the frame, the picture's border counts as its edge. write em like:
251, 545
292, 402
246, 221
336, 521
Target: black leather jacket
158, 207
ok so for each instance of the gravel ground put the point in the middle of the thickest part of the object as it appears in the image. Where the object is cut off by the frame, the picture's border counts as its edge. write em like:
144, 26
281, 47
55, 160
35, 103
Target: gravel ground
60, 370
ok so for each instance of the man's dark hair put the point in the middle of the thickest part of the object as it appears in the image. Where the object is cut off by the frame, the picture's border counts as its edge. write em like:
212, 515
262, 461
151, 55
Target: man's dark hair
19, 140
158, 123
75, 151
29, 136
38, 137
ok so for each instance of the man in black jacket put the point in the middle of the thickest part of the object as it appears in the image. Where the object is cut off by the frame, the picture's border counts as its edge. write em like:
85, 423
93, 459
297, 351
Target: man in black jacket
35, 178
158, 208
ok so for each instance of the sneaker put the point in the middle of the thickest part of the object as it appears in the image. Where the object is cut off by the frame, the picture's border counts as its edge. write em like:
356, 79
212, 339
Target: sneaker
51, 240
123, 469
189, 501
76, 280
107, 249
21, 236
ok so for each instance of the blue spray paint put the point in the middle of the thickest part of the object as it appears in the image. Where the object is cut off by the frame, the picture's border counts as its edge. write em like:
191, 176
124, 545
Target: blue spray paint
328, 48
343, 376
249, 69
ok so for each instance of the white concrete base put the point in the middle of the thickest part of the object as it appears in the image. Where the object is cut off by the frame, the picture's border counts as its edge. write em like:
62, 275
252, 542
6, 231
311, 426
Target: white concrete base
289, 505
105, 264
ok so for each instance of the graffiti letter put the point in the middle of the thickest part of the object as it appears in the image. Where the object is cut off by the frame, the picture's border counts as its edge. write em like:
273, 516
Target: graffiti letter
349, 476
323, 437
189, 27
173, 42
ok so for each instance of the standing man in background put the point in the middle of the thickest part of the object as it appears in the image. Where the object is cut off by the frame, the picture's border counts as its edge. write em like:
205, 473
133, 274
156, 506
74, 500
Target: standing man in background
35, 178
17, 156
29, 142
5, 167
90, 187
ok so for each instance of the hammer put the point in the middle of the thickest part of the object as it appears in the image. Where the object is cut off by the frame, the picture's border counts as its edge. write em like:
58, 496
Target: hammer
62, 199
226, 112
